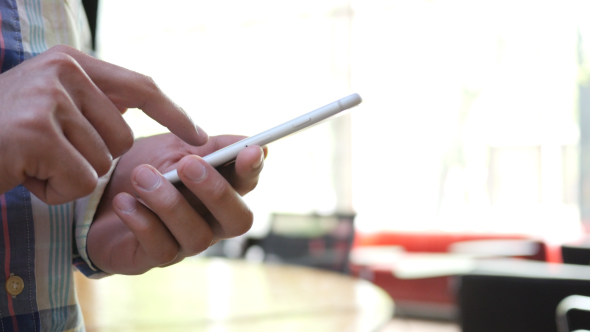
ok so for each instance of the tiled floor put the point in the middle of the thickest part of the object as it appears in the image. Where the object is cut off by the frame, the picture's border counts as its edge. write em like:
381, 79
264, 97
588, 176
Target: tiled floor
416, 325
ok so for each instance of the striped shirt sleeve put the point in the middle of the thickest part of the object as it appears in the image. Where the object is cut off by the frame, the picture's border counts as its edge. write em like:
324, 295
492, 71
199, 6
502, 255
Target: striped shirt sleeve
85, 209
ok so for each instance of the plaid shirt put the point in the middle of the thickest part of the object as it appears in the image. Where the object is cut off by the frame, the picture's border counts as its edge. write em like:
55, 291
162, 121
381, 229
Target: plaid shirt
39, 243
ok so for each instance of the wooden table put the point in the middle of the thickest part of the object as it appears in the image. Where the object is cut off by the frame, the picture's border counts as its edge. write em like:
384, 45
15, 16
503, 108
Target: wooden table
202, 294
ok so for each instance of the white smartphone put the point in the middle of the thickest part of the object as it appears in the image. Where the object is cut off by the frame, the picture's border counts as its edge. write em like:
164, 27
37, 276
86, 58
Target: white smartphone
230, 152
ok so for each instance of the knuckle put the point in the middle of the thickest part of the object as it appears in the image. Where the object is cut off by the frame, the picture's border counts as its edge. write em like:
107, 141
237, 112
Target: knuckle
247, 221
47, 86
171, 202
84, 187
123, 143
148, 82
144, 228
47, 98
166, 255
62, 62
39, 127
244, 224
198, 245
87, 185
103, 165
127, 139
218, 191
252, 186
167, 251
56, 94
61, 49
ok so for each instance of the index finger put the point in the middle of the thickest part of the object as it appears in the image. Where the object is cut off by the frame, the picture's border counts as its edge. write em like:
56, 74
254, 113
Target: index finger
128, 89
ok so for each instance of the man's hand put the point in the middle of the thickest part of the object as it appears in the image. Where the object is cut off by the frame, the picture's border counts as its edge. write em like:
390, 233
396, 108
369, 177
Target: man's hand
61, 123
143, 221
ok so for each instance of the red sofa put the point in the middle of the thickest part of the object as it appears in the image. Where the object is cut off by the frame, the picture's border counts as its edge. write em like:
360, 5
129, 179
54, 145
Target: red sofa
431, 297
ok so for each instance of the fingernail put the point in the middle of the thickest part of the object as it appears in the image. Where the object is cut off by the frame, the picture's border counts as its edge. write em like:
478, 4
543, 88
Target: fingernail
204, 136
259, 162
125, 203
200, 132
194, 170
147, 179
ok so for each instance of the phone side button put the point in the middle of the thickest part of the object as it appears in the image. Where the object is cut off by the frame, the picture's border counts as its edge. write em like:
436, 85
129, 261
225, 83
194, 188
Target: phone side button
301, 122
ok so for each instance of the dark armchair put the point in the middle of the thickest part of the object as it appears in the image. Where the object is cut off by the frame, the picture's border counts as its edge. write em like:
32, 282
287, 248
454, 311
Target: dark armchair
515, 295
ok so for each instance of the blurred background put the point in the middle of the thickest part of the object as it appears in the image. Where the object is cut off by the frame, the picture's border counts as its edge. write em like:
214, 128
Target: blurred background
475, 120
471, 112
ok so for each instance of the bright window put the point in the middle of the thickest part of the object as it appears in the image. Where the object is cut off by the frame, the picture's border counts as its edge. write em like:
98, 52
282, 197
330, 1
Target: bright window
470, 112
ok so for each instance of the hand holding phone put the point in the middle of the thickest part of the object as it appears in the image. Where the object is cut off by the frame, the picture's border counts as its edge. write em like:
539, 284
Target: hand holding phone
307, 120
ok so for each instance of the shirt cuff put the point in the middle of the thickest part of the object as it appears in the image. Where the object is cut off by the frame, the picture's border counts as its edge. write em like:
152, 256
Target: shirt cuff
84, 211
